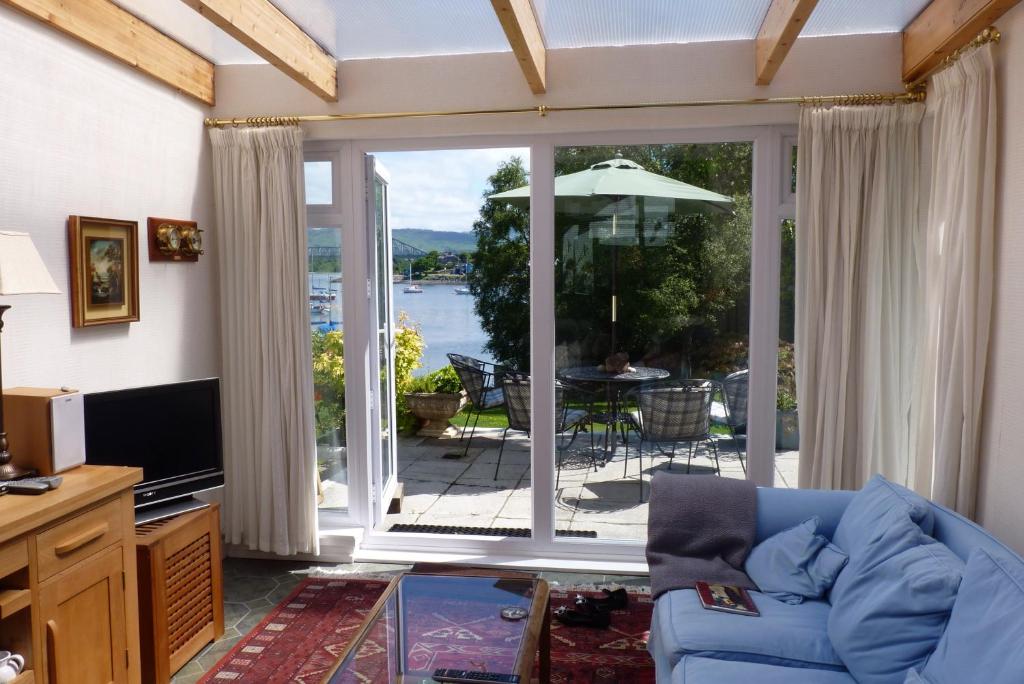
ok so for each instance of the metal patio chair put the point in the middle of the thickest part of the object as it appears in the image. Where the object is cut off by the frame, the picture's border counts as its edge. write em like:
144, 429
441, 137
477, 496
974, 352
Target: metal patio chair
732, 412
667, 413
482, 382
517, 408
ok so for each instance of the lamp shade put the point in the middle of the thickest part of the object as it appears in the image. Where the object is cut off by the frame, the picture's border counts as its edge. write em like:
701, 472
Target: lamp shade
21, 268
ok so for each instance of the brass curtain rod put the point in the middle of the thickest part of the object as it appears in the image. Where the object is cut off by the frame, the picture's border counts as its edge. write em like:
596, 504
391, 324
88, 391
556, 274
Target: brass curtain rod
912, 95
989, 35
915, 93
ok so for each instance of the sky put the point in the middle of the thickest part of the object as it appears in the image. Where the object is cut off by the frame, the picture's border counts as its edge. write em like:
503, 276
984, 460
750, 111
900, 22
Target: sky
436, 189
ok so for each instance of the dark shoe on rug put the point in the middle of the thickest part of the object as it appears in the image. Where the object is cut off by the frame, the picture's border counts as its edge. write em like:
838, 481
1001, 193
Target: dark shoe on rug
598, 619
612, 600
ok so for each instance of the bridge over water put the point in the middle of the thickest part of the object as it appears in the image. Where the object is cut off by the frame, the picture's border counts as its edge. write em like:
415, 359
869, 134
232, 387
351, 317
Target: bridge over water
399, 250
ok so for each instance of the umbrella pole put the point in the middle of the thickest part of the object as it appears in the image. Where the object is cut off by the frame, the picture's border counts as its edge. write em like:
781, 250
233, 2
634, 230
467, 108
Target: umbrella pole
615, 268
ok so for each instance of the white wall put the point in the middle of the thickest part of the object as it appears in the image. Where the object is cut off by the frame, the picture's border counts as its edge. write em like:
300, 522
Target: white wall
82, 134
816, 66
1001, 493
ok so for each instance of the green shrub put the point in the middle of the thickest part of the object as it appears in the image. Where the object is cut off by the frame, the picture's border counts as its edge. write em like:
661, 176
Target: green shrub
444, 380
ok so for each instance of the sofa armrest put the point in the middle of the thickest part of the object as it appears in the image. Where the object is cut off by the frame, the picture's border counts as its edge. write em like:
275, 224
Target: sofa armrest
780, 509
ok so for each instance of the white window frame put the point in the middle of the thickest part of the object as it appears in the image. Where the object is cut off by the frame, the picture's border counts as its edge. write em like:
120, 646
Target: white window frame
544, 550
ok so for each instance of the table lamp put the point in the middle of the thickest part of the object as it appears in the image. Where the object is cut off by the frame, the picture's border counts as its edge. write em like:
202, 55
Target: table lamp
21, 272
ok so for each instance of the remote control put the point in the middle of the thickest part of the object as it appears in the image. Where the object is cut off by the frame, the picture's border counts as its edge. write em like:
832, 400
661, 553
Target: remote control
27, 487
51, 481
447, 674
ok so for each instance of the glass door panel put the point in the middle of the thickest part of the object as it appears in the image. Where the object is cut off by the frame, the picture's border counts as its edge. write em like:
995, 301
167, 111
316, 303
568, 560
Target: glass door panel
652, 309
383, 342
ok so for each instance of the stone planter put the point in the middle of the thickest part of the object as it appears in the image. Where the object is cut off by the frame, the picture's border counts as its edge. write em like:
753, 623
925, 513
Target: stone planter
435, 409
787, 430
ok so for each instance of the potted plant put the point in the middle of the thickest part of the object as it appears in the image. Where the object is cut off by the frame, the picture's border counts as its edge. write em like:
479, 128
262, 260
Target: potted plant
435, 398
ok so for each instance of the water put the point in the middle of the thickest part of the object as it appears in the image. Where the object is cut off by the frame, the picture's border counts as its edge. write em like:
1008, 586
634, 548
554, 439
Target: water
446, 320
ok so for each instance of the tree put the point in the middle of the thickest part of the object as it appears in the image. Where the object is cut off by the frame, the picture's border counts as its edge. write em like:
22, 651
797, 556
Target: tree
686, 294
500, 280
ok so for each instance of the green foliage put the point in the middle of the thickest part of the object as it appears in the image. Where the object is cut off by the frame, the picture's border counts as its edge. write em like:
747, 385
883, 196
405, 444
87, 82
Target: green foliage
426, 264
329, 374
329, 381
785, 398
500, 280
684, 296
444, 380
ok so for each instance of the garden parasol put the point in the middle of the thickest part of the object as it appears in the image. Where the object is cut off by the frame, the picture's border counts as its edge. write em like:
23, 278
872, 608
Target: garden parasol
600, 189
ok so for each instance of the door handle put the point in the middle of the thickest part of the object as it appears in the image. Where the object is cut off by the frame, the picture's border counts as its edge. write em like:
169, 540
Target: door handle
51, 651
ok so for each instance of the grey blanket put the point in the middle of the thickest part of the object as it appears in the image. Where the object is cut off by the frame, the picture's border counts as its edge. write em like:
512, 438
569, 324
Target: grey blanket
700, 527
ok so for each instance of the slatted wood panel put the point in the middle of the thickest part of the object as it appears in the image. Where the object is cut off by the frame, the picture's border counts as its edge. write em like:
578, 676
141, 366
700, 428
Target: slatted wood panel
181, 604
189, 593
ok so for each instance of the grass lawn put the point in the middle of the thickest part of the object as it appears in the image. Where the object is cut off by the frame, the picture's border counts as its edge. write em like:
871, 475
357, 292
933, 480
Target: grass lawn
496, 418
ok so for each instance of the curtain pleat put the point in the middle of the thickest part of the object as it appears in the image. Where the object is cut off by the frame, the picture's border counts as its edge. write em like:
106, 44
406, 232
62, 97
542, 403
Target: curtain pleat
856, 292
270, 451
957, 281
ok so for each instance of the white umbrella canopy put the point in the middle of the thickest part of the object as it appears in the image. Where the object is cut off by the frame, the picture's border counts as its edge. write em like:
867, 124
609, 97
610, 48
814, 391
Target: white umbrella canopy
624, 178
602, 191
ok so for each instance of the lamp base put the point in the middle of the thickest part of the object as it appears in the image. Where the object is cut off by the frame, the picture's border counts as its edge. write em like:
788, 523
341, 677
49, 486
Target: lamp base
9, 471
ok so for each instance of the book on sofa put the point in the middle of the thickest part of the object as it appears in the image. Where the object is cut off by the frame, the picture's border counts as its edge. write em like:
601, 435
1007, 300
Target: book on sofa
726, 598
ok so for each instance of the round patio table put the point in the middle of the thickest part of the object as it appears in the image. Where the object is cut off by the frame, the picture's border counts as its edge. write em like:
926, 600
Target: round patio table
615, 384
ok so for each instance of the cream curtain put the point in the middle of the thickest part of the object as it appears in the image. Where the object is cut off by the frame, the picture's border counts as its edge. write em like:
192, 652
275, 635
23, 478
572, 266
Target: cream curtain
270, 492
856, 291
957, 280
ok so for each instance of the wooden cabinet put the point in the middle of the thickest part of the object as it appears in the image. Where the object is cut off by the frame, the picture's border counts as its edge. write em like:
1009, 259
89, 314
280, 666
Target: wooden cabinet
68, 596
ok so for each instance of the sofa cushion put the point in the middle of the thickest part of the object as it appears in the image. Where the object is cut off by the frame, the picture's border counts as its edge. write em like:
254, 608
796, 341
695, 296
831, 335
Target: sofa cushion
784, 634
873, 507
795, 564
697, 670
891, 603
983, 638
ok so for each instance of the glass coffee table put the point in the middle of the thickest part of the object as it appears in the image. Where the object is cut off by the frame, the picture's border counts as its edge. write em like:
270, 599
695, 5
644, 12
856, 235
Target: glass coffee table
423, 622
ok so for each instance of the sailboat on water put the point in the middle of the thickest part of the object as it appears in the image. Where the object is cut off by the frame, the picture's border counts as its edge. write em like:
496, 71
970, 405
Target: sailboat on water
464, 288
412, 288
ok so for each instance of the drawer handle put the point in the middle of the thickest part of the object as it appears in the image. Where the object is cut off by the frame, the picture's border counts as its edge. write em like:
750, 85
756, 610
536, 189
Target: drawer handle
79, 540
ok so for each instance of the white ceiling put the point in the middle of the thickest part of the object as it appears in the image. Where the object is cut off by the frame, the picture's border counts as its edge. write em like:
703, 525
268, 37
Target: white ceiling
361, 29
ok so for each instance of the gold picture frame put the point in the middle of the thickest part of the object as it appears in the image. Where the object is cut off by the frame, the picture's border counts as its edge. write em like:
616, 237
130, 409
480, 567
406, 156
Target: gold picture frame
104, 259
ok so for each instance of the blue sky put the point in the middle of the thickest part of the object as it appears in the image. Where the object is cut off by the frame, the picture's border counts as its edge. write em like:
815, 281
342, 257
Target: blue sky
436, 189
441, 189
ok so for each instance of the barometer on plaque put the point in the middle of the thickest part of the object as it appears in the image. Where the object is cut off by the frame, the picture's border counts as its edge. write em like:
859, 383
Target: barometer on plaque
174, 240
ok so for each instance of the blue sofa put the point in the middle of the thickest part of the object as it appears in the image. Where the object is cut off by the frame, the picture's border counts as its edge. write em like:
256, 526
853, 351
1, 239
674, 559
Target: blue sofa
791, 643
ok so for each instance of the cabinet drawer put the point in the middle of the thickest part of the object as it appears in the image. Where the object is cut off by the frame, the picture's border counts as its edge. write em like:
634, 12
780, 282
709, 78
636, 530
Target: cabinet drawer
78, 538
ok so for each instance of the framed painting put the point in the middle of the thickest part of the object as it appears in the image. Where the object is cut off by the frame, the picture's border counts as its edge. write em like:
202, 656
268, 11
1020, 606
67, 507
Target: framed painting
104, 269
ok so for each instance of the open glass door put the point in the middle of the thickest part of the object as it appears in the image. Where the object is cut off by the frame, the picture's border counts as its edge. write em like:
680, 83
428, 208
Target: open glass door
382, 351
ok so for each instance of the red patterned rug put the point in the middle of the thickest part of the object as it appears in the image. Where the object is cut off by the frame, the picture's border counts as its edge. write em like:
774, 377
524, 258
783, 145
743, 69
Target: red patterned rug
301, 637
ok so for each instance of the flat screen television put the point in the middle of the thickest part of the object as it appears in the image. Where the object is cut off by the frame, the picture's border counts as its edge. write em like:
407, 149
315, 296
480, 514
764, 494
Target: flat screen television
170, 431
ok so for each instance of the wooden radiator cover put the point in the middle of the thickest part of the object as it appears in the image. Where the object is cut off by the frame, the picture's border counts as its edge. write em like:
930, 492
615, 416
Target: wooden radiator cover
181, 604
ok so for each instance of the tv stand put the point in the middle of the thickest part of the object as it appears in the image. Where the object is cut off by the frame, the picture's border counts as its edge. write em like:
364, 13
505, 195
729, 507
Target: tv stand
168, 510
181, 604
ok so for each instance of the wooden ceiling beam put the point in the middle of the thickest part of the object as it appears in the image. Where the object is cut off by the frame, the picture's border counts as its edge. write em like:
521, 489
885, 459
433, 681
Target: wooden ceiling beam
943, 27
782, 24
266, 30
519, 19
106, 27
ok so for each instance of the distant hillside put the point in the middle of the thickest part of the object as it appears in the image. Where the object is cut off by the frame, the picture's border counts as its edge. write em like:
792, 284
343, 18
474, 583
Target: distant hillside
323, 237
440, 240
420, 238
